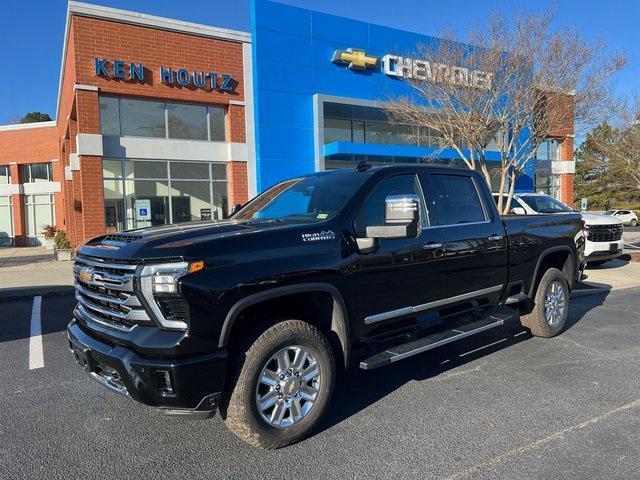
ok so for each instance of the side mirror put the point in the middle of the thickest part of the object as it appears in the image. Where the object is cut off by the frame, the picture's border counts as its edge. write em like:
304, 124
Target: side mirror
236, 208
402, 217
518, 211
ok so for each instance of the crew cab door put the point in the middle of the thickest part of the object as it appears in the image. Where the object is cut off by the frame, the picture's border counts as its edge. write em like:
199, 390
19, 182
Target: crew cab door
475, 249
400, 273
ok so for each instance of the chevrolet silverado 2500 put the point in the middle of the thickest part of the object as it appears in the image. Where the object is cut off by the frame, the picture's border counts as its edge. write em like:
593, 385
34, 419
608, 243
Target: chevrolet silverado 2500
252, 315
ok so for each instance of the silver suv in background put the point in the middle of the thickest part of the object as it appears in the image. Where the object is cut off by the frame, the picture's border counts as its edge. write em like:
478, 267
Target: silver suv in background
603, 232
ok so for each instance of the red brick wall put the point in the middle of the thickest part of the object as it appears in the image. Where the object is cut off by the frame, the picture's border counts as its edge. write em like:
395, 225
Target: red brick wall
87, 111
153, 48
91, 197
30, 145
566, 179
235, 124
237, 183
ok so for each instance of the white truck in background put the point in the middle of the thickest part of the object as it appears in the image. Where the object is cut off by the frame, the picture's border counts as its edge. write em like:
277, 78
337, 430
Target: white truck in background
603, 232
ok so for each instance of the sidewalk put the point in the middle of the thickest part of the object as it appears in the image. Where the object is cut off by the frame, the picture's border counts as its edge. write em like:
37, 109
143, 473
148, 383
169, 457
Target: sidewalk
616, 274
631, 241
32, 271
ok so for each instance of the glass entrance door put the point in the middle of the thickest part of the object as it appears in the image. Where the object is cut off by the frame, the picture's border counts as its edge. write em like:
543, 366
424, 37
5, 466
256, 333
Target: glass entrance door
6, 221
144, 193
39, 211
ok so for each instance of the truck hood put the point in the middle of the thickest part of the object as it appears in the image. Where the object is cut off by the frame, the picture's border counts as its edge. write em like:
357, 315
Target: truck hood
182, 240
593, 219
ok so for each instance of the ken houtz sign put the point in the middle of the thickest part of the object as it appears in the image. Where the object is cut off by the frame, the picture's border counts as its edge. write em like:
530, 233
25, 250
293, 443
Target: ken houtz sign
413, 68
181, 76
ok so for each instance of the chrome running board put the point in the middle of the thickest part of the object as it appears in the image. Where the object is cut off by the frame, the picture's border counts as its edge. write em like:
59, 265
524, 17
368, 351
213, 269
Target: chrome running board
435, 340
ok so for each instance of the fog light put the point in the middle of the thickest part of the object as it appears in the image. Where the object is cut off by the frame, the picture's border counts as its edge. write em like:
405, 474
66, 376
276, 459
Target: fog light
163, 381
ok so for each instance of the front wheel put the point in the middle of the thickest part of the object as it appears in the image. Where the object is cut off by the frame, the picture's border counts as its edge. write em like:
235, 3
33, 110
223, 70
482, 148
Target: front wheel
550, 306
280, 385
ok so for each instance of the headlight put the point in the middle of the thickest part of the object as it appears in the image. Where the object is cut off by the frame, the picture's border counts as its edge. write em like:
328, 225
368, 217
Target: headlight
159, 282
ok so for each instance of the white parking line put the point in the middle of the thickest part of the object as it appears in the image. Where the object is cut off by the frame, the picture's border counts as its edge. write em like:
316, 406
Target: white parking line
36, 358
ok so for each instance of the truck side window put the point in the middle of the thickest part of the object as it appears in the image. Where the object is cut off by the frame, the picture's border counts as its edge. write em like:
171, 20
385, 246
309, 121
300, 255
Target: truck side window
457, 199
373, 208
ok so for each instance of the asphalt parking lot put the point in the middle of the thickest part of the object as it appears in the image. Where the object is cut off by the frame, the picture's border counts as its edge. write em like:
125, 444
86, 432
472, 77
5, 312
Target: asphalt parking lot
504, 405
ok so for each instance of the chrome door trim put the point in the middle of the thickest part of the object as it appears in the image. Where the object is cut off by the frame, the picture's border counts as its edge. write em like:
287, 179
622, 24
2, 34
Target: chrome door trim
400, 312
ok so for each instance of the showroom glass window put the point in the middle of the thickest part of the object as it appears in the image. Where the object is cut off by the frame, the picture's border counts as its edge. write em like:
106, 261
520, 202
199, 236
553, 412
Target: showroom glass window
5, 175
148, 118
37, 172
545, 180
171, 191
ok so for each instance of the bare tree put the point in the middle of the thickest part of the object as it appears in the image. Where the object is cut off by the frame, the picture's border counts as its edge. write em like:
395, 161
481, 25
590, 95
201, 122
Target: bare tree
511, 85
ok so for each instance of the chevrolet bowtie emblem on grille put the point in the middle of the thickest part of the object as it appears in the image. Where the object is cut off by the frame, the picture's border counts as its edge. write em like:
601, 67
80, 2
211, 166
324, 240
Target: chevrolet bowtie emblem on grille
356, 59
86, 275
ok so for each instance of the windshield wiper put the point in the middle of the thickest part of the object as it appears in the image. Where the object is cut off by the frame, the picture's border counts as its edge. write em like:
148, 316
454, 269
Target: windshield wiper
257, 221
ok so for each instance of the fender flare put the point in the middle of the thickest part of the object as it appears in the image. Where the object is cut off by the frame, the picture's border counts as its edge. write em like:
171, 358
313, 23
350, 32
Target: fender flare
339, 318
541, 257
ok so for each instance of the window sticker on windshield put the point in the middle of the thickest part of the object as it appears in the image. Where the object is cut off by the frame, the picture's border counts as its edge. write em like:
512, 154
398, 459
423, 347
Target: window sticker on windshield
322, 216
318, 236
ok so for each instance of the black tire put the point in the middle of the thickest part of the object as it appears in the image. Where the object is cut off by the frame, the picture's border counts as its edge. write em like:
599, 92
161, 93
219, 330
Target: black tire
633, 222
239, 407
536, 321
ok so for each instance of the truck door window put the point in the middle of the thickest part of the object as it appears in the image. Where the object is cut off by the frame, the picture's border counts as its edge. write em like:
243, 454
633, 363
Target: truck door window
373, 208
457, 199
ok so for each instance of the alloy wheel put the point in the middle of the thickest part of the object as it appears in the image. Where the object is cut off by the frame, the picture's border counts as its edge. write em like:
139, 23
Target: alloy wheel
288, 386
554, 303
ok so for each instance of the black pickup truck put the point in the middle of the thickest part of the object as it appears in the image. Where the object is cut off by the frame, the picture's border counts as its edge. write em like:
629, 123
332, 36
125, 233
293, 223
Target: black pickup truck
252, 315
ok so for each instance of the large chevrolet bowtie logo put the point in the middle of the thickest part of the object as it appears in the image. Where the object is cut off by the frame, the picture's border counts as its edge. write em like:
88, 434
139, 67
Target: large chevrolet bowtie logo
86, 275
354, 58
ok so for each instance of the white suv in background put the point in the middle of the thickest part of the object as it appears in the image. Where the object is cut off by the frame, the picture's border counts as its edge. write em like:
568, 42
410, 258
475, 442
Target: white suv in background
627, 216
603, 232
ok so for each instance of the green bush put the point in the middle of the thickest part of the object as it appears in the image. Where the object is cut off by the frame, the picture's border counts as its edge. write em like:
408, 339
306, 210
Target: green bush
61, 241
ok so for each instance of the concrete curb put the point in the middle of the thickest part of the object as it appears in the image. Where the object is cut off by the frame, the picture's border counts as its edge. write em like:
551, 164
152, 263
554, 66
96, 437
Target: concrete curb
31, 291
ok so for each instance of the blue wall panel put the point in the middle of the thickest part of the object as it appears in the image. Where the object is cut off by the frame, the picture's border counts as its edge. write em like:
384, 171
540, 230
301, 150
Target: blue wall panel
292, 51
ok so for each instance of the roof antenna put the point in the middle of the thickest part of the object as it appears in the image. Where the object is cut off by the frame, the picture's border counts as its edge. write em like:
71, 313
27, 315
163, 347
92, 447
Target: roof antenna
362, 166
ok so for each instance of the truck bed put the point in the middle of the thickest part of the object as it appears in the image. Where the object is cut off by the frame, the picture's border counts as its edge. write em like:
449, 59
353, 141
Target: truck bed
530, 235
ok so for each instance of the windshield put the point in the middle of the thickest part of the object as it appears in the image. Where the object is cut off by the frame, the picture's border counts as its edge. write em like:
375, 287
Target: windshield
609, 212
307, 199
545, 204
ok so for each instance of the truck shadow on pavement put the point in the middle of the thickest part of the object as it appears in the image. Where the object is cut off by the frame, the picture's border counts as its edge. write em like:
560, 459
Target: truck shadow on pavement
360, 389
16, 314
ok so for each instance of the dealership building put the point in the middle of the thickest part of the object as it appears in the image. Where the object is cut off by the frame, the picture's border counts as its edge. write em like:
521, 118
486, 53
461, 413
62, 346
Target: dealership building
161, 121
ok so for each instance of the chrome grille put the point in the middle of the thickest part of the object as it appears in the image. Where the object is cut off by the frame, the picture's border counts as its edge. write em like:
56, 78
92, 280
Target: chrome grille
106, 295
604, 233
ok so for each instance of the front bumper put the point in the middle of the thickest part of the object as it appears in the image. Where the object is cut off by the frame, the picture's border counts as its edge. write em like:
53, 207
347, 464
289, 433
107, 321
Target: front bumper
178, 386
595, 251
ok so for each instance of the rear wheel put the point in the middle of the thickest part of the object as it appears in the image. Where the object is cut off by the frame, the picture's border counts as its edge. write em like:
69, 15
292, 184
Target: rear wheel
280, 385
633, 222
551, 305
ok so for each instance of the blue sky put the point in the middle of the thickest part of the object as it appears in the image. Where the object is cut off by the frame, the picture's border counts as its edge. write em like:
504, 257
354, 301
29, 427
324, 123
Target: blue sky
33, 31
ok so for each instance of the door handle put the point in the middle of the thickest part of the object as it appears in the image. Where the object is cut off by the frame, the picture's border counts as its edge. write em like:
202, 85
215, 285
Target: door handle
495, 238
431, 246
